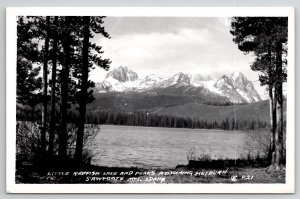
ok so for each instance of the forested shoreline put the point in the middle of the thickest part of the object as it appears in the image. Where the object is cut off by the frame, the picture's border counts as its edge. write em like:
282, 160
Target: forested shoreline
152, 120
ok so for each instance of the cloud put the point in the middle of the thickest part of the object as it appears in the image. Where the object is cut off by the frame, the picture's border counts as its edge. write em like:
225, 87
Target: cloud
192, 45
141, 50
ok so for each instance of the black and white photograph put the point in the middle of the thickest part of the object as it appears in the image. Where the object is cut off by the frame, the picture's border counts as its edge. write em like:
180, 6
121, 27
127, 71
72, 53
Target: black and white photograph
153, 99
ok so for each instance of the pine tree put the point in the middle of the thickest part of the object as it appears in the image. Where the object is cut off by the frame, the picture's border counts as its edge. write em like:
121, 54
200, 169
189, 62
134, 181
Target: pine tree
84, 79
29, 83
64, 88
53, 85
91, 26
265, 36
45, 87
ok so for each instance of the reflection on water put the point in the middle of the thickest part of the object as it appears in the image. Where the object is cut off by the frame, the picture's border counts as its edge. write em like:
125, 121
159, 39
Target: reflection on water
152, 147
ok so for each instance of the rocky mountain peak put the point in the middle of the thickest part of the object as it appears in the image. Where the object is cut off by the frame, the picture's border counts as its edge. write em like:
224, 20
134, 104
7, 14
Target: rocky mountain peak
122, 74
238, 78
182, 78
237, 87
236, 75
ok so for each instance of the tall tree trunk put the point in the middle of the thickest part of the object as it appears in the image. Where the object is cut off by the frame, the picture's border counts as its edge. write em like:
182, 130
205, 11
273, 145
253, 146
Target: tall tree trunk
53, 87
272, 107
83, 95
271, 124
45, 86
274, 124
64, 92
279, 98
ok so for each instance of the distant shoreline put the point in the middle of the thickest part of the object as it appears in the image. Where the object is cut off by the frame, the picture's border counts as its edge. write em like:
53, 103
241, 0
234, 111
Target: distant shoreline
189, 129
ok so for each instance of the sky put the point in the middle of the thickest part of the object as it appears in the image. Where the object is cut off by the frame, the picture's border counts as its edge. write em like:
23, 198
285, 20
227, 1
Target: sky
168, 45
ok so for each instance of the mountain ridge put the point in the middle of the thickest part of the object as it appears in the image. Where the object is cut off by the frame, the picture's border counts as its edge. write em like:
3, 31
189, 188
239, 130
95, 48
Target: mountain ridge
235, 87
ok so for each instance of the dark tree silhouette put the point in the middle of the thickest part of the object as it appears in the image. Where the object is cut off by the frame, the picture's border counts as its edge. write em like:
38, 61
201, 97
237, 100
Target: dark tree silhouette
45, 87
64, 88
84, 81
28, 81
91, 25
266, 36
53, 85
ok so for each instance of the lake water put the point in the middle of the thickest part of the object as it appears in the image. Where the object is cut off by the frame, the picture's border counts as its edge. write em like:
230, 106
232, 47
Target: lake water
154, 147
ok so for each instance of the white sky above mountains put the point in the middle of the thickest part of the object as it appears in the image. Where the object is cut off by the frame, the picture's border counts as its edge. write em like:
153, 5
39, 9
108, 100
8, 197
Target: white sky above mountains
168, 45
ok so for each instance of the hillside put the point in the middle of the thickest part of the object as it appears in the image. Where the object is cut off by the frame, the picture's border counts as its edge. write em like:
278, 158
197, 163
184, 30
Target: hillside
132, 102
253, 111
179, 106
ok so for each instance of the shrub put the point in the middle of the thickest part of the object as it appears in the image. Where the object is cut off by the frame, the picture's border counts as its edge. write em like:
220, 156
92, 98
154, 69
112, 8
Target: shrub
27, 140
90, 133
192, 155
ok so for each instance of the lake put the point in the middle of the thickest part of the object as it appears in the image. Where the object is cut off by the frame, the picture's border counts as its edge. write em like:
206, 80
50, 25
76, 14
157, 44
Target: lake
155, 147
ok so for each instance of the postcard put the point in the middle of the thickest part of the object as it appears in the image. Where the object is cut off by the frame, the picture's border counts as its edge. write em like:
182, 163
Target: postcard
150, 100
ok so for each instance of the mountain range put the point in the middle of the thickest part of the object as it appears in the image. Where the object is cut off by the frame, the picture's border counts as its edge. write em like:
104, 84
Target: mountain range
235, 88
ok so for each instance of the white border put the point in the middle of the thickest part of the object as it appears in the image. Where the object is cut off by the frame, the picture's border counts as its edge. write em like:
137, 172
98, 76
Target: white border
11, 38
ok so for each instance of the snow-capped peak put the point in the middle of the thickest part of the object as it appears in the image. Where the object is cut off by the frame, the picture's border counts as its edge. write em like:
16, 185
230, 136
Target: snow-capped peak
179, 78
236, 75
122, 74
235, 87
